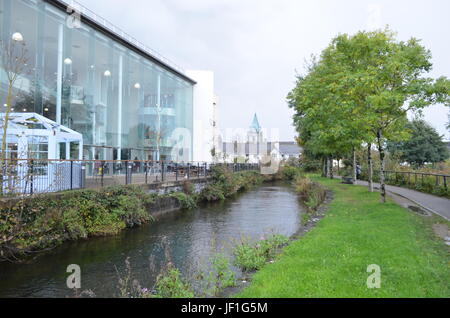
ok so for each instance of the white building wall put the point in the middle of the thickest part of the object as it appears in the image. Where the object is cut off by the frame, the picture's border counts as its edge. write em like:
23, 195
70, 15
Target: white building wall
217, 140
205, 111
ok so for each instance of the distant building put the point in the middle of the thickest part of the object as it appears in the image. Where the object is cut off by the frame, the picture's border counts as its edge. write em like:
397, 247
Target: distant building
250, 148
290, 150
206, 135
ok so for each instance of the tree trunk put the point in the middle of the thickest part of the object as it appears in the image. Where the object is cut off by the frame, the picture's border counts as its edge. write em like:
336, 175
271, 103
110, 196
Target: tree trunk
354, 166
370, 167
5, 122
331, 168
382, 167
3, 162
339, 167
324, 167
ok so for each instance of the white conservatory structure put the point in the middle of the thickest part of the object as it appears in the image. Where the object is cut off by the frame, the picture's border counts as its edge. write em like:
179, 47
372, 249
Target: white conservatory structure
35, 146
32, 136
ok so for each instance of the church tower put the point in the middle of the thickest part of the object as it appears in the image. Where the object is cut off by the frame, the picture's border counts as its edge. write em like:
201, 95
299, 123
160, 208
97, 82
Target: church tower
255, 132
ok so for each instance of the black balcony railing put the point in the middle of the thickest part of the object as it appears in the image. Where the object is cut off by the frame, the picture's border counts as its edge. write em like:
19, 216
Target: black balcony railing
28, 177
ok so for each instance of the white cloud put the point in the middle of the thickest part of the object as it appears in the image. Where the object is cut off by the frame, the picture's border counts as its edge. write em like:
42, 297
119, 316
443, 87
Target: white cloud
374, 17
255, 46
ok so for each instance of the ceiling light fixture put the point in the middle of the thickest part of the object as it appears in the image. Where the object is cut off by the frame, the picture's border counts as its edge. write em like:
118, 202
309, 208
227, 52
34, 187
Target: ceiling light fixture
18, 37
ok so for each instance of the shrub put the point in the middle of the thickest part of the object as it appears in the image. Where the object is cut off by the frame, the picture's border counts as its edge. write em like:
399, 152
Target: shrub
74, 224
249, 179
312, 193
98, 219
225, 183
310, 165
187, 202
130, 210
250, 257
188, 188
45, 221
290, 173
170, 285
220, 276
305, 218
220, 173
211, 193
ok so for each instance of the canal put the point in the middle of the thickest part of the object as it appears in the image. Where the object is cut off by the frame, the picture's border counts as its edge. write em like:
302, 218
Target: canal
186, 238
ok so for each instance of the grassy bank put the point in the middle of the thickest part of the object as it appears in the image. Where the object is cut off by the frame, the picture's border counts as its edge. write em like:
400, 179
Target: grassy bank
332, 260
35, 224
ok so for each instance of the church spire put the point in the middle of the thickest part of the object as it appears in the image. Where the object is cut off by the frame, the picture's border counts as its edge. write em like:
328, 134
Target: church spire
255, 126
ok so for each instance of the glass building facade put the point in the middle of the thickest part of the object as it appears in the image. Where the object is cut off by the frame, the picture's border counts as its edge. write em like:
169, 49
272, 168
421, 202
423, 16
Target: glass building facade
126, 103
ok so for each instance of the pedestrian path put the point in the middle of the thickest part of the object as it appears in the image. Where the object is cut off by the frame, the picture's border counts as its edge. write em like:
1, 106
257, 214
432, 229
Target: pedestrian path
432, 203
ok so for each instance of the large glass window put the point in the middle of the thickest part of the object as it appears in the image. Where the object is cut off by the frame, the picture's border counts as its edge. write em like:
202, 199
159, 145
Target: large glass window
124, 105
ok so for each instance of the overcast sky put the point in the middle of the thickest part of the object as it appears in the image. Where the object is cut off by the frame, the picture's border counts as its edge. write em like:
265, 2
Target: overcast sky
255, 47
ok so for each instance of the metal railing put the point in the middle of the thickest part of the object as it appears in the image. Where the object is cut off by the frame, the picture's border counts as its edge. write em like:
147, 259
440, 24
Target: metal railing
416, 178
28, 177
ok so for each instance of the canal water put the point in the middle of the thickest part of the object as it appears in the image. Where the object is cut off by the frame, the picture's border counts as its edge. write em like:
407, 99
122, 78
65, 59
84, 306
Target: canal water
185, 238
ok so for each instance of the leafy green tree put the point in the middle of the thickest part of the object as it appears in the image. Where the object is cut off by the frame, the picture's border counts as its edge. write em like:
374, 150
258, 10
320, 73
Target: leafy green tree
360, 91
385, 80
400, 86
425, 145
319, 115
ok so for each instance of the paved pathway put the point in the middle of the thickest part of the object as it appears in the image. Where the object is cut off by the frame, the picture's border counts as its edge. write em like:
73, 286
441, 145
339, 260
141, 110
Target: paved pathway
429, 202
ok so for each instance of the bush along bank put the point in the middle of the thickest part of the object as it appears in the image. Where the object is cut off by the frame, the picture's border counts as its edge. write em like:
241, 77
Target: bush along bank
312, 194
285, 173
43, 222
225, 184
253, 256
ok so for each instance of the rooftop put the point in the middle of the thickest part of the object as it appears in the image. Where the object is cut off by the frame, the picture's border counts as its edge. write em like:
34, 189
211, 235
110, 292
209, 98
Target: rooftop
100, 22
290, 148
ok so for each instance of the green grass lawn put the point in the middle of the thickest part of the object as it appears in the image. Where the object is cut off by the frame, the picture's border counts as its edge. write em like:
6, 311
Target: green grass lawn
332, 260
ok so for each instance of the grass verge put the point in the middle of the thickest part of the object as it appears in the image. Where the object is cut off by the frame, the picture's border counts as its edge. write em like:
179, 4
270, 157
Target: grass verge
332, 260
